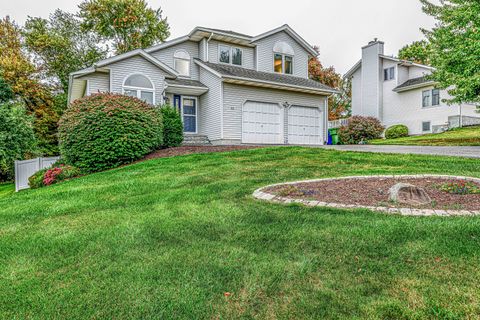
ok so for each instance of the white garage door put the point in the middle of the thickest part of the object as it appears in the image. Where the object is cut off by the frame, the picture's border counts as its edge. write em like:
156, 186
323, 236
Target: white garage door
262, 123
304, 125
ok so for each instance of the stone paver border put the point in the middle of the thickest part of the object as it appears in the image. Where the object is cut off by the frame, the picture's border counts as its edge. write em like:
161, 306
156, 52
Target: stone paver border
261, 195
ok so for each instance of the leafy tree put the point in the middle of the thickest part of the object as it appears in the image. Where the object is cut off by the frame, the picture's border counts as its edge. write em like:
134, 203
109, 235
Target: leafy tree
17, 139
6, 93
417, 51
129, 24
24, 80
339, 105
455, 46
61, 46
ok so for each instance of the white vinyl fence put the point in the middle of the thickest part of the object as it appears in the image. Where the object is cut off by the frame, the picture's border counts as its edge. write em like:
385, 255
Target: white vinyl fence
337, 123
26, 168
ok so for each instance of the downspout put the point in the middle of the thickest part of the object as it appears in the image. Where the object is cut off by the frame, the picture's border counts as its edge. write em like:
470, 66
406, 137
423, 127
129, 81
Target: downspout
207, 53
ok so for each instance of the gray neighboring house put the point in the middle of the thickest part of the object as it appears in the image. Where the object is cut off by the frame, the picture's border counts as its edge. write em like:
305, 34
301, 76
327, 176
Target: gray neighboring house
230, 88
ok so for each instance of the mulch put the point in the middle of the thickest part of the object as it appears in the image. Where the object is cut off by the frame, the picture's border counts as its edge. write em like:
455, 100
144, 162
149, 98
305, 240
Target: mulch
184, 150
374, 192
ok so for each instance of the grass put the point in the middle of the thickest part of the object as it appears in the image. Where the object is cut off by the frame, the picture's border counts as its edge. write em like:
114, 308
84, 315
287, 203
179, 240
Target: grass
468, 136
6, 189
167, 238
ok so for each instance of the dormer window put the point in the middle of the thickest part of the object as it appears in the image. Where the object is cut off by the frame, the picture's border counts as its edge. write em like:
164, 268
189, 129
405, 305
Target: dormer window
181, 61
230, 55
283, 58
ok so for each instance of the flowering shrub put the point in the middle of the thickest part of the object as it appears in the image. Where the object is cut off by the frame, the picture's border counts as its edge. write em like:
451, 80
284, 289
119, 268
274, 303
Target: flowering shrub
59, 172
360, 129
106, 130
396, 131
460, 187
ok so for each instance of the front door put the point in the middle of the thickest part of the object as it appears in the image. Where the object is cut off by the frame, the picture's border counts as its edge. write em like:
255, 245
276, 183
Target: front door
189, 114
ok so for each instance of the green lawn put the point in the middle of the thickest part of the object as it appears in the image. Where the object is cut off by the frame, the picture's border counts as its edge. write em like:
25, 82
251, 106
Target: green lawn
468, 136
166, 238
6, 189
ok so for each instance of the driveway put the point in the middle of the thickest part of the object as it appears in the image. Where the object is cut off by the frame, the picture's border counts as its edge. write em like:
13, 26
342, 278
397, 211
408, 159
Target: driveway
468, 152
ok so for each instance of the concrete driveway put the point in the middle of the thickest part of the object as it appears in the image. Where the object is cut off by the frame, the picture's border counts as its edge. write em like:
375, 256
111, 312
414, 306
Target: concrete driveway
468, 152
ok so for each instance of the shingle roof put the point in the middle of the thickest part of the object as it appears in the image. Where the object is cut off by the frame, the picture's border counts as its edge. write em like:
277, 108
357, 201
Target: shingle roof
413, 82
185, 82
249, 74
233, 33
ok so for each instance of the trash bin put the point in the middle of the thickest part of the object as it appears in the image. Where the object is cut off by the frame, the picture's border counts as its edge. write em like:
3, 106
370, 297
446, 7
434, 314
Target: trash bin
333, 133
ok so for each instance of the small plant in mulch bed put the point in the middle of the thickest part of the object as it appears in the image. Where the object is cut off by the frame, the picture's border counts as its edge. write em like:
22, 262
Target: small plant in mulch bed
293, 191
460, 187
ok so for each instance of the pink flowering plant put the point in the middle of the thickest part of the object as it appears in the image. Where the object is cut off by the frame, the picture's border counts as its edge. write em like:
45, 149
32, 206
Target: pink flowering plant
460, 187
57, 173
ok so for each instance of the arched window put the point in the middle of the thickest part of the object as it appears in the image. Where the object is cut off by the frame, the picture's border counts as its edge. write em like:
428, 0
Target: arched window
283, 58
139, 86
181, 61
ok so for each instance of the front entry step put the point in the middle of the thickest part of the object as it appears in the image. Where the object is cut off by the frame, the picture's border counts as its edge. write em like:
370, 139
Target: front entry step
196, 140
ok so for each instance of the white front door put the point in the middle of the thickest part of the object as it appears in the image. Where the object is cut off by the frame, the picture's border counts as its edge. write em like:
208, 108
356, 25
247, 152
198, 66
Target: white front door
304, 125
262, 123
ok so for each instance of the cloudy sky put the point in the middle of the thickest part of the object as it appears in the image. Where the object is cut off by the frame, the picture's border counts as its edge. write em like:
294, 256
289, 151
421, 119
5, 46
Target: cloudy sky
339, 27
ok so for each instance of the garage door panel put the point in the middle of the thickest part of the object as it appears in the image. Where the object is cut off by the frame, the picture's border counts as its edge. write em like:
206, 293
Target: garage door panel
304, 125
262, 123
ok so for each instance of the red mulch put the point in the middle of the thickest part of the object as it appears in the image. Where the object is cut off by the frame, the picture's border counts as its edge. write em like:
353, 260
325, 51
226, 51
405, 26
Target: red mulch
374, 192
180, 151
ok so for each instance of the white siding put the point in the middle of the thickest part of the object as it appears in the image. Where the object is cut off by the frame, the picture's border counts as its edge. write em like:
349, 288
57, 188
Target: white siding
248, 60
210, 111
166, 56
78, 89
234, 96
119, 71
406, 108
372, 73
357, 92
265, 54
416, 72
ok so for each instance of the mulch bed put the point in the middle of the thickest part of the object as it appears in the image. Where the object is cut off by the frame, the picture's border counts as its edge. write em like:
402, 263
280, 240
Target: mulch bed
374, 192
180, 151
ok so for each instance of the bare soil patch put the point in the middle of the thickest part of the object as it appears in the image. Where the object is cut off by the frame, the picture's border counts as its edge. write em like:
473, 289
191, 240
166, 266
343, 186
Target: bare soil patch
374, 192
184, 150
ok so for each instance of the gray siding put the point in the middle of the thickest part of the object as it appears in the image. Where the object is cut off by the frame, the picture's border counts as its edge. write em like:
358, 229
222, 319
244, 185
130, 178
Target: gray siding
119, 71
98, 82
210, 119
201, 49
265, 54
166, 56
234, 96
78, 89
248, 57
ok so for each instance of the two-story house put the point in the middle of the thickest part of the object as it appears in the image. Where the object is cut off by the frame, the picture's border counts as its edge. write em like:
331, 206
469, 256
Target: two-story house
398, 92
229, 87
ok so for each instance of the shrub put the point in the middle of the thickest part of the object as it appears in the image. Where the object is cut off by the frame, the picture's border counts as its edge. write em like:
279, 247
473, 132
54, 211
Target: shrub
396, 131
17, 139
57, 173
172, 127
106, 130
360, 129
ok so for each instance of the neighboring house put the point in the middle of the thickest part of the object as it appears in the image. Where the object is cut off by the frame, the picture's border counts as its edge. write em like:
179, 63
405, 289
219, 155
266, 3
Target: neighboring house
229, 87
397, 92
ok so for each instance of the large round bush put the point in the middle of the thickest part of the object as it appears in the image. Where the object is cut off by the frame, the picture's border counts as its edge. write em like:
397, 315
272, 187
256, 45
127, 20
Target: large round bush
396, 131
360, 129
106, 130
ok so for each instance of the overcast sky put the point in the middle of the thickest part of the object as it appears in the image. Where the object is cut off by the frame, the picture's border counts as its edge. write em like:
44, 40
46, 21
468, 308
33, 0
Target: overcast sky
339, 27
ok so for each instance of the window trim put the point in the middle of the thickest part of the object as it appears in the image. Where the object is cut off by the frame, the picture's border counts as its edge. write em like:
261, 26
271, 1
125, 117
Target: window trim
389, 74
230, 57
189, 60
429, 125
139, 89
182, 98
431, 105
283, 55
439, 100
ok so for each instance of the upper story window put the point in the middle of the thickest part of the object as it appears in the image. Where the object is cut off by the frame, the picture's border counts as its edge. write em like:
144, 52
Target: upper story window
181, 61
389, 74
139, 86
430, 98
230, 55
283, 58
